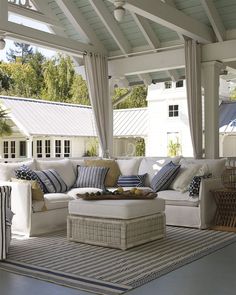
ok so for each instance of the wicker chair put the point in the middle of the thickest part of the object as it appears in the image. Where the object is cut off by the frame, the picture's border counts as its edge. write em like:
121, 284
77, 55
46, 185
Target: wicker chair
5, 220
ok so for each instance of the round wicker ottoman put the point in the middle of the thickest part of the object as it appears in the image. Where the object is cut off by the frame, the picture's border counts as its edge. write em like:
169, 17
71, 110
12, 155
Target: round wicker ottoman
119, 224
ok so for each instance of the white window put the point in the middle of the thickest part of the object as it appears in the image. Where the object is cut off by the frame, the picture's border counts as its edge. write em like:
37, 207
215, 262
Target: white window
39, 148
66, 148
5, 149
168, 84
173, 110
58, 148
180, 84
47, 148
22, 149
13, 149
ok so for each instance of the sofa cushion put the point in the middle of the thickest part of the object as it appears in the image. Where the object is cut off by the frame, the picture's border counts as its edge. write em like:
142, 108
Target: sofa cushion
52, 202
131, 180
63, 167
164, 177
113, 172
51, 181
121, 209
7, 170
91, 177
186, 173
151, 165
129, 166
176, 198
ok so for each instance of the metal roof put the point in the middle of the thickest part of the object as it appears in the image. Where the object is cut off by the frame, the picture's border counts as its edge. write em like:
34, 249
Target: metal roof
39, 117
227, 117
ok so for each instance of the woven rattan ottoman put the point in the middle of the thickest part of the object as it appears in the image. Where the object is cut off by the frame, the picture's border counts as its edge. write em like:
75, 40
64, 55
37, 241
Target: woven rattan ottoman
119, 224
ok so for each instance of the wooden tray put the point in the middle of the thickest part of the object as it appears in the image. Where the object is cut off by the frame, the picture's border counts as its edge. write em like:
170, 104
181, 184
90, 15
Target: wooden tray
127, 195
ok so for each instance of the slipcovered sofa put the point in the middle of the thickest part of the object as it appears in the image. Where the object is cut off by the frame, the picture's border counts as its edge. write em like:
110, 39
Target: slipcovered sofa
37, 217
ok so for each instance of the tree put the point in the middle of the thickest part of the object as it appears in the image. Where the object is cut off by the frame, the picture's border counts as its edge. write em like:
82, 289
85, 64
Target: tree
22, 53
58, 75
5, 81
79, 91
5, 128
136, 99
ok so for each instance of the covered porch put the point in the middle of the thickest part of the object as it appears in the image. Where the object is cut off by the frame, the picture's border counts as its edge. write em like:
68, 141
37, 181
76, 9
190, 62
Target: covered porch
141, 43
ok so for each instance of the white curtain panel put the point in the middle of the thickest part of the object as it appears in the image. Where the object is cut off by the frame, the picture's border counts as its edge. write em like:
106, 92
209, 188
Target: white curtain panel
96, 68
194, 97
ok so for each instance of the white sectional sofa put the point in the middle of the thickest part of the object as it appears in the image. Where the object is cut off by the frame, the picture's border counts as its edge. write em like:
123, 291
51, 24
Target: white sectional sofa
181, 209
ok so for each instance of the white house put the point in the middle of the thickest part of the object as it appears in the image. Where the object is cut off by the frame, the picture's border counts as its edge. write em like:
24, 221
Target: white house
45, 129
168, 118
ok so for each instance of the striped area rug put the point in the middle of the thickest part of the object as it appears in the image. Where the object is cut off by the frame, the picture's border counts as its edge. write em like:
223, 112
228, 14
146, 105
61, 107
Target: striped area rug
109, 271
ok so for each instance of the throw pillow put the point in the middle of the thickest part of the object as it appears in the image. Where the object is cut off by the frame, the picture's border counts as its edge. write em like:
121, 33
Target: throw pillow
37, 193
164, 177
113, 173
185, 175
51, 181
24, 172
7, 170
194, 186
91, 177
132, 180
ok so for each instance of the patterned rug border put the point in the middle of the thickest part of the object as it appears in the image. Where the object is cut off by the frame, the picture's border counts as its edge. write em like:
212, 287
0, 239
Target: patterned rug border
101, 286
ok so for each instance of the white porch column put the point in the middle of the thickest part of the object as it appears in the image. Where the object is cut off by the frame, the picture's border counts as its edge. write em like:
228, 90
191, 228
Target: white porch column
29, 150
210, 75
3, 11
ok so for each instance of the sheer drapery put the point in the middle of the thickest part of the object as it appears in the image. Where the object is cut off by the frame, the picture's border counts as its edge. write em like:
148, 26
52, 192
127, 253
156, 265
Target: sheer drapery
194, 96
96, 68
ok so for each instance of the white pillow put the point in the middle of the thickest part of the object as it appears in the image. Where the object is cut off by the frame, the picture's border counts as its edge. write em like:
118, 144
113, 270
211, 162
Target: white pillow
185, 176
64, 168
129, 166
7, 170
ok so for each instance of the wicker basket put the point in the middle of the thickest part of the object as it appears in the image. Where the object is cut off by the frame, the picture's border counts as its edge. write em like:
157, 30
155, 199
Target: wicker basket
229, 178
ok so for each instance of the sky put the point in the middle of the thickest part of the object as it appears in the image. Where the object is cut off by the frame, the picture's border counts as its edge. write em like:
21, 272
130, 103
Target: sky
29, 23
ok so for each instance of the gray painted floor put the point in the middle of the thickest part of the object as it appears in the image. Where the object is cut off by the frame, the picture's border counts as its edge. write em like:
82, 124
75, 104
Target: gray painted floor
214, 274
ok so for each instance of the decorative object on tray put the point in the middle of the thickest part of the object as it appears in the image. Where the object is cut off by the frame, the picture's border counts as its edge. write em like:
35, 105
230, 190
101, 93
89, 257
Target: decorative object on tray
119, 194
229, 178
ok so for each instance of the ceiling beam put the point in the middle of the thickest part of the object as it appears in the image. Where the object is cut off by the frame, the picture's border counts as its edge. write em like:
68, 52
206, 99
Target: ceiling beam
147, 31
146, 78
80, 24
39, 38
221, 51
214, 19
32, 14
154, 62
111, 25
171, 18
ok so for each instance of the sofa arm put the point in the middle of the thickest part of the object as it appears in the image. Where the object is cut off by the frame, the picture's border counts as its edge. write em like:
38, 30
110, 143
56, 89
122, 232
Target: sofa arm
207, 202
21, 205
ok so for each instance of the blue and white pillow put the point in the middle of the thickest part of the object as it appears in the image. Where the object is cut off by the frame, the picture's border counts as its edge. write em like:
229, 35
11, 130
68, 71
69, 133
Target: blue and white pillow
131, 180
24, 172
164, 177
51, 181
90, 176
195, 184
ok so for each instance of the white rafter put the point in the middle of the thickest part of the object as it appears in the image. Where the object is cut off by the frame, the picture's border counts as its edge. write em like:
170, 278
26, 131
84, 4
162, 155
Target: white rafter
32, 14
173, 75
171, 18
147, 31
22, 33
111, 25
214, 19
146, 78
78, 21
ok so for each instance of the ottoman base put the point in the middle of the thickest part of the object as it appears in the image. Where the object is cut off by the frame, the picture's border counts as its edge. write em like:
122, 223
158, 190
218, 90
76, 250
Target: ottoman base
115, 233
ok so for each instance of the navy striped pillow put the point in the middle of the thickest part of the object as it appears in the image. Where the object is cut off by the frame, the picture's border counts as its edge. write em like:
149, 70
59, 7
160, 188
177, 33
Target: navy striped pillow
51, 181
132, 180
164, 177
91, 177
